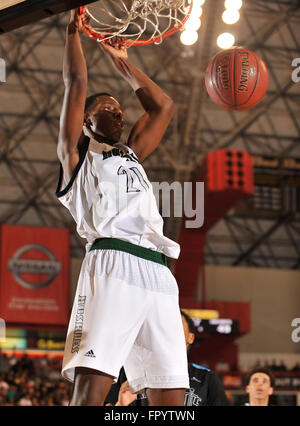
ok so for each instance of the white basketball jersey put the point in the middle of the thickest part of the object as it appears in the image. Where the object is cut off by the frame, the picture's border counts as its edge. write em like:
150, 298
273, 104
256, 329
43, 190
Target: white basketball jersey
110, 196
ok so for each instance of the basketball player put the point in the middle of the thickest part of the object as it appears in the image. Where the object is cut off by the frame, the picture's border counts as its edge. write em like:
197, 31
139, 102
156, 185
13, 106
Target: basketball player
126, 301
259, 386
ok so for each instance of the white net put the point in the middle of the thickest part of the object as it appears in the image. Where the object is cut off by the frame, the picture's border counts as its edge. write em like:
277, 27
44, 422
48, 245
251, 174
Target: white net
136, 19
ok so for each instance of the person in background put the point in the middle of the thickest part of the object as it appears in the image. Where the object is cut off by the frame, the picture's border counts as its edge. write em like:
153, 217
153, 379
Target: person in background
259, 386
282, 366
25, 401
296, 367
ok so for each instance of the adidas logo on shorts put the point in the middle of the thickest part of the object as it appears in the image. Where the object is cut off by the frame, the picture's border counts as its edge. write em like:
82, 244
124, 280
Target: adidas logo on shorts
90, 354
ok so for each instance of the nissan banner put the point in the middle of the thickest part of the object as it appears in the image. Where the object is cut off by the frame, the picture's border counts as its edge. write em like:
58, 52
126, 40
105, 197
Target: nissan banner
34, 275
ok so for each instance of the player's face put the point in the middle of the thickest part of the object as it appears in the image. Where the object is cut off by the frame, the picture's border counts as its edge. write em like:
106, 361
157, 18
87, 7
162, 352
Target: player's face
106, 118
259, 386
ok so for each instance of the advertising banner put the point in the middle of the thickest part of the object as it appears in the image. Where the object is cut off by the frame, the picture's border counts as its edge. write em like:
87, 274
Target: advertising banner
34, 275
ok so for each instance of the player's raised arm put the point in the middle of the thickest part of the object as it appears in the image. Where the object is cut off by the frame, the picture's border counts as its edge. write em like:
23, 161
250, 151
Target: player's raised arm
75, 80
150, 128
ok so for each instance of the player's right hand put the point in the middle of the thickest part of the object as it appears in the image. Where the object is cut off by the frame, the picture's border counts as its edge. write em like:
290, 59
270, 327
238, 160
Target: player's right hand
75, 19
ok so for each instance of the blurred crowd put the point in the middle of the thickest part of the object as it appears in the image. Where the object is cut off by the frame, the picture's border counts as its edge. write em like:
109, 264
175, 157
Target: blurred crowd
37, 382
277, 366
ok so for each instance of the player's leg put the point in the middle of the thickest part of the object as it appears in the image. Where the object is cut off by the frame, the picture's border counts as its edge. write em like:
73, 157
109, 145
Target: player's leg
90, 387
166, 397
158, 360
106, 317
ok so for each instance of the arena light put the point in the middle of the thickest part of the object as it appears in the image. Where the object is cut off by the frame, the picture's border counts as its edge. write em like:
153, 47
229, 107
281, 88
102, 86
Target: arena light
197, 3
233, 4
225, 40
197, 9
192, 24
188, 37
230, 17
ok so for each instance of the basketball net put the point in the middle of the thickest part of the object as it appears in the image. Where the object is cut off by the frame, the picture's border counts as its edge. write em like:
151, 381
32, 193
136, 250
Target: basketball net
139, 22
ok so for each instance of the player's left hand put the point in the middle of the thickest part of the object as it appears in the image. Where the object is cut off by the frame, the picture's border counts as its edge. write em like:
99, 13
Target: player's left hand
114, 47
116, 50
126, 397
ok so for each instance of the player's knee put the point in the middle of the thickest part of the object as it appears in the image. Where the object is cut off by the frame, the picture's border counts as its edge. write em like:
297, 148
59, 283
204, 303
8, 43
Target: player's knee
90, 387
87, 396
87, 400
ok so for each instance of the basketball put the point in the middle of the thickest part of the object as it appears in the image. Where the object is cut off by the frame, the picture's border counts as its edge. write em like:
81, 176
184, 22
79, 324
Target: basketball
236, 79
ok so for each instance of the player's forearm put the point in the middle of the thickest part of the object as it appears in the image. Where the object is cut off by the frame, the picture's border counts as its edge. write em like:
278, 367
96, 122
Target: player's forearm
74, 64
151, 96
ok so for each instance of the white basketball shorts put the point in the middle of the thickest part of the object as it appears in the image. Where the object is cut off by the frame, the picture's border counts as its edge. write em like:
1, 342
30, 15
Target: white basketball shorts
126, 313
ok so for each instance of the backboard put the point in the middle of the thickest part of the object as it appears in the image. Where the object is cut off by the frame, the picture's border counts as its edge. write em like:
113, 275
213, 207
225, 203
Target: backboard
17, 13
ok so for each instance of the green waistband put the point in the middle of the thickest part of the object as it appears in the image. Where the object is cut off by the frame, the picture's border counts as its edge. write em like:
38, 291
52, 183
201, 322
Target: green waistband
116, 244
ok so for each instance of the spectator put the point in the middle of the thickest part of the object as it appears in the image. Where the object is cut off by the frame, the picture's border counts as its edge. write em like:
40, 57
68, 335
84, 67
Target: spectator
2, 400
3, 394
11, 393
25, 400
22, 385
259, 386
296, 367
35, 401
273, 366
257, 364
4, 363
12, 359
282, 366
3, 382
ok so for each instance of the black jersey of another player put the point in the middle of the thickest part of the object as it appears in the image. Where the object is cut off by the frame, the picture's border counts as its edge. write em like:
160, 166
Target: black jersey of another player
205, 389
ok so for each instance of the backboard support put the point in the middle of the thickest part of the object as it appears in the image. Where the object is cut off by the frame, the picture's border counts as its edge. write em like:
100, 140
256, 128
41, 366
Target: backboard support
15, 14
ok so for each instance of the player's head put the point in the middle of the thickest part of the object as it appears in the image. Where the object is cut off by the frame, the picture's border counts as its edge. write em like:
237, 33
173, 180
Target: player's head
259, 386
188, 328
104, 116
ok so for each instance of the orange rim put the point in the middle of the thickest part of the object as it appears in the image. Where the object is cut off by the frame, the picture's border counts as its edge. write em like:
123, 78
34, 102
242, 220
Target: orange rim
97, 36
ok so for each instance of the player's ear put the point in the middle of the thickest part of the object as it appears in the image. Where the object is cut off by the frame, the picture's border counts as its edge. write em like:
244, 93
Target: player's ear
191, 338
271, 390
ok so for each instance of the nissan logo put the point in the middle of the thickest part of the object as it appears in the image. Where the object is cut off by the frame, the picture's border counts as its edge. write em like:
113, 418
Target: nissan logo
18, 265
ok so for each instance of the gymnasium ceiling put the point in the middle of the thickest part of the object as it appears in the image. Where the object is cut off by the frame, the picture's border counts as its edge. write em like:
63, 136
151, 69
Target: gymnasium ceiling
31, 98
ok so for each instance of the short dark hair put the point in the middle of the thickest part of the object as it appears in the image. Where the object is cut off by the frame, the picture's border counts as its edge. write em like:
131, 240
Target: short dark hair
91, 99
190, 322
260, 370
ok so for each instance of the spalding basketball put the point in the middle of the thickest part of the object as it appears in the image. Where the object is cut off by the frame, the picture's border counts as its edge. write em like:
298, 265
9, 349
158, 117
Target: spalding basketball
236, 79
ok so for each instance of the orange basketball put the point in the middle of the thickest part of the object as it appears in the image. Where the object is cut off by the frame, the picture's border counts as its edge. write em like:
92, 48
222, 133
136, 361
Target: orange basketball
236, 79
